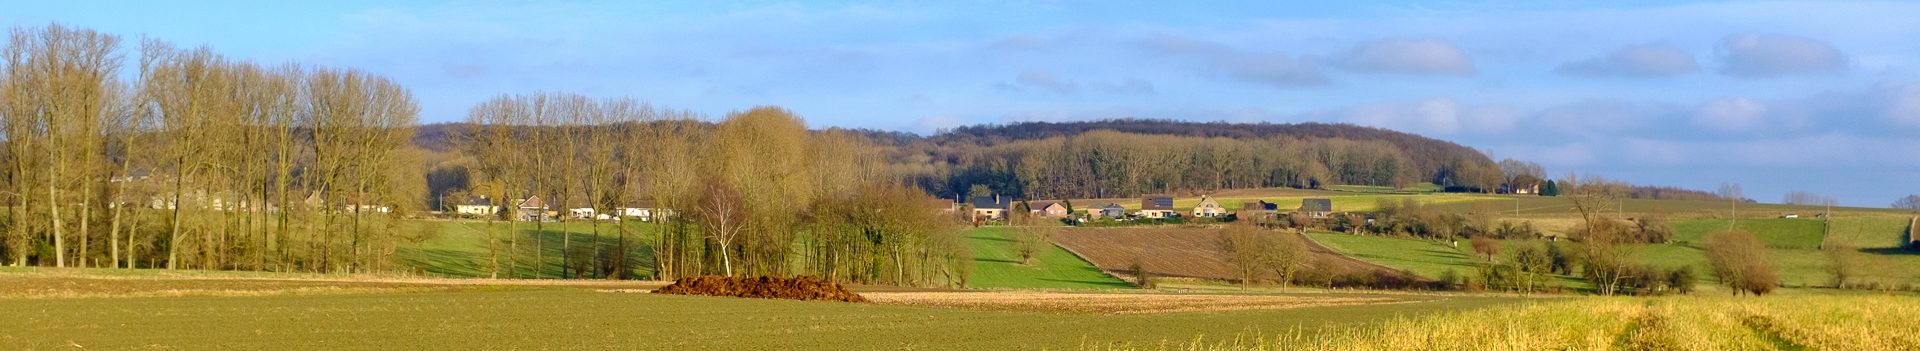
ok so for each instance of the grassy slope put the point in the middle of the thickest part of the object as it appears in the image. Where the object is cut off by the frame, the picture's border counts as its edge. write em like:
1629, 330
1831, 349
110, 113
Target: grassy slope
996, 264
461, 247
1345, 202
1794, 248
542, 318
1426, 258
461, 251
1775, 232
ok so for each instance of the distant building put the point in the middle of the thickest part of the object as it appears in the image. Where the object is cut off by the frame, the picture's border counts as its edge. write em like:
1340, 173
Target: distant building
1109, 210
1157, 206
1209, 208
530, 209
1317, 208
1258, 208
990, 207
1049, 209
477, 206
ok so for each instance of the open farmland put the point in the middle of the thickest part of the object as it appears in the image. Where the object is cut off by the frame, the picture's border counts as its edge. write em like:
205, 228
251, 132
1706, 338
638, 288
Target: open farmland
1816, 322
1531, 207
1342, 201
1184, 252
996, 264
518, 314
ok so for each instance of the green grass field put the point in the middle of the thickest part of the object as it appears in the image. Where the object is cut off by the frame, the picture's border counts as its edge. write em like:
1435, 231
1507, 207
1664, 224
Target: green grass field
1426, 258
996, 264
1775, 232
461, 248
1794, 250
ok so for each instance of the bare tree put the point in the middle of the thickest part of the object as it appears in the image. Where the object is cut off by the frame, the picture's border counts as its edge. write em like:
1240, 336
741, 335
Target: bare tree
1733, 194
723, 217
1911, 202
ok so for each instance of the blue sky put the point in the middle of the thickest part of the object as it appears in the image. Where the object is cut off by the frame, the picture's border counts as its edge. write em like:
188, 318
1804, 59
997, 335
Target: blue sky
1778, 96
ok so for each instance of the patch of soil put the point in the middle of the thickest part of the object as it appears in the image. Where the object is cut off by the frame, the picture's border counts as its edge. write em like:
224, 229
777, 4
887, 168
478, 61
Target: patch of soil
796, 288
1197, 253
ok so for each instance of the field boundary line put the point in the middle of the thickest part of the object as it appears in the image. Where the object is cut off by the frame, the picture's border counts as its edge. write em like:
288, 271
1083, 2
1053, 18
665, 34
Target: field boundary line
1083, 258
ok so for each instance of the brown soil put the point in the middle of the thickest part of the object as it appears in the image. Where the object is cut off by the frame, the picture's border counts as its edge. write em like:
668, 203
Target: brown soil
1122, 303
796, 288
1196, 253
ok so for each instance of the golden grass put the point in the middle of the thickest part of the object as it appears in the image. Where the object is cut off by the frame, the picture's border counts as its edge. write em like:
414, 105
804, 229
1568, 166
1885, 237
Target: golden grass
1119, 303
1825, 322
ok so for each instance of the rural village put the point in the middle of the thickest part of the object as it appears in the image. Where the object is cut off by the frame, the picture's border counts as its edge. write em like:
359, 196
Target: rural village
186, 195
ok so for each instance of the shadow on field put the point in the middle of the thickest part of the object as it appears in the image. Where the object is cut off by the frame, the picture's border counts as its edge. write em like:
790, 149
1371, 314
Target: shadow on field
1898, 251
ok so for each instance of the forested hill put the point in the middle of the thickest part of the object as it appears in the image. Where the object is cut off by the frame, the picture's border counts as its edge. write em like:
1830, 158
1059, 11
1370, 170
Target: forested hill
1429, 156
1123, 158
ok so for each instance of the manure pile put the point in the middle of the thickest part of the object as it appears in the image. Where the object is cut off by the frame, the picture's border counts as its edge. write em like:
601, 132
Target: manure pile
796, 288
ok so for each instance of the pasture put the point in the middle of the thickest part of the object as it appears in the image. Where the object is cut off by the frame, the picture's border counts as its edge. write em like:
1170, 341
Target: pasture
996, 264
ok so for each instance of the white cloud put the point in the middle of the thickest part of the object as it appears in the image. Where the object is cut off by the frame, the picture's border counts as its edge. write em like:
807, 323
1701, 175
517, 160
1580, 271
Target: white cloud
1645, 60
1731, 114
1772, 55
1409, 56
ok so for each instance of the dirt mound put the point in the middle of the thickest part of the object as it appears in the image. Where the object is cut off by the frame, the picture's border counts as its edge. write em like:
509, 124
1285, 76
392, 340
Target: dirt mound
796, 288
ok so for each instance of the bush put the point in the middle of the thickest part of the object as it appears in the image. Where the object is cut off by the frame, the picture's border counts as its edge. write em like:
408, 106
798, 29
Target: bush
1141, 276
1740, 261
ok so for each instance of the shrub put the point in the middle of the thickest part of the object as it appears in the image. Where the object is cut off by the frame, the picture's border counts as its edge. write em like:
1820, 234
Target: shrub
1141, 276
1740, 261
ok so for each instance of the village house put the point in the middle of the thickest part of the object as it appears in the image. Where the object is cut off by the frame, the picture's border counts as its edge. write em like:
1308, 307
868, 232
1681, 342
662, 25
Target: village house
1109, 210
1209, 208
645, 211
1048, 209
1258, 209
1316, 208
990, 207
944, 205
477, 206
1157, 206
530, 209
583, 213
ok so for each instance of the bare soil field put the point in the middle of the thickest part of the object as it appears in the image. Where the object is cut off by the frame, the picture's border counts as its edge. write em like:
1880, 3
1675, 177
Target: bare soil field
1188, 252
1109, 303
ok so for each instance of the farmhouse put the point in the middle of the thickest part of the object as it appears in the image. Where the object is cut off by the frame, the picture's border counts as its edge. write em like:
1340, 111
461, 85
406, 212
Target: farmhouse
530, 209
944, 205
1316, 208
990, 207
477, 206
1049, 209
1109, 210
1209, 208
1258, 208
1157, 206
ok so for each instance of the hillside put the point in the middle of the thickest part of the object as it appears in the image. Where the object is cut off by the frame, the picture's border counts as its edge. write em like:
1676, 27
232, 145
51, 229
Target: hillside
1129, 157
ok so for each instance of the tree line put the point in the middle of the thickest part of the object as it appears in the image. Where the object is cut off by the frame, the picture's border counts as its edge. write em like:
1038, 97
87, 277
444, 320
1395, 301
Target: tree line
755, 194
199, 161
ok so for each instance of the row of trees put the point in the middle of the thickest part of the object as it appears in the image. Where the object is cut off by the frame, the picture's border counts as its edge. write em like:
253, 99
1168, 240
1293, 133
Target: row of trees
200, 161
755, 194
